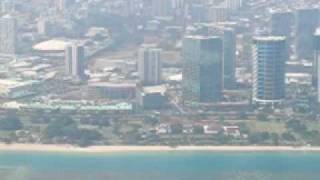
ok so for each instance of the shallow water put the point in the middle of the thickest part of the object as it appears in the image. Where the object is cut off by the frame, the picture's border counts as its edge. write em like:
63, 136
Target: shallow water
160, 166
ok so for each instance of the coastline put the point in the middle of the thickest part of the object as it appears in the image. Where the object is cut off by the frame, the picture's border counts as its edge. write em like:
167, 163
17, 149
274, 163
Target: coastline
112, 149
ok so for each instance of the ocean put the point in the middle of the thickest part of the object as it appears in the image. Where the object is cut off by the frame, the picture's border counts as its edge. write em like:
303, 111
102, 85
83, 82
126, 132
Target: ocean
160, 166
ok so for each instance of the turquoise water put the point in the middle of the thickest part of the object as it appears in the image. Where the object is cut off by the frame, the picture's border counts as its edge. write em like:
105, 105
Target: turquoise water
160, 166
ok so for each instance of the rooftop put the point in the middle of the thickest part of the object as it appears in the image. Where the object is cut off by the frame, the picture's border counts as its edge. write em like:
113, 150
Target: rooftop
199, 37
51, 45
70, 106
154, 89
269, 38
115, 85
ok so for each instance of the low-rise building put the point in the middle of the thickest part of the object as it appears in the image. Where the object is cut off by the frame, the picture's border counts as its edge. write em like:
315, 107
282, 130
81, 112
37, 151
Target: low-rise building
62, 106
114, 90
152, 97
233, 131
12, 89
163, 129
209, 127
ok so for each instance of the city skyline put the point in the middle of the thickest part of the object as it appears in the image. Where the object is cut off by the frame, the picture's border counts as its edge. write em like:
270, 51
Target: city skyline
100, 76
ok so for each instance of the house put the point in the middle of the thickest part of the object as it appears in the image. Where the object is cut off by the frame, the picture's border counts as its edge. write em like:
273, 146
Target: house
163, 129
233, 131
211, 129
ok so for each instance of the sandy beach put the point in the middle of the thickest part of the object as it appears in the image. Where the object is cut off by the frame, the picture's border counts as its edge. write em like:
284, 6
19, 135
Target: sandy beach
108, 149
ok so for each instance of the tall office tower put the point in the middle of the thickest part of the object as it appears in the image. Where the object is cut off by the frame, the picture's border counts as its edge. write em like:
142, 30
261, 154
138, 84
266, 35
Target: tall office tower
68, 59
307, 20
218, 14
282, 23
269, 57
316, 62
74, 61
229, 58
233, 4
229, 39
202, 69
149, 64
8, 35
78, 59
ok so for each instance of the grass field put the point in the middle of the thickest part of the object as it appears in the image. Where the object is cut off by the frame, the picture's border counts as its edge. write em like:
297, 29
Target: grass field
268, 126
4, 134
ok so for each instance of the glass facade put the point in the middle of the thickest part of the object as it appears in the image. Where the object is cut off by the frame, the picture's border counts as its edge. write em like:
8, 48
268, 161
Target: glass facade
202, 69
270, 55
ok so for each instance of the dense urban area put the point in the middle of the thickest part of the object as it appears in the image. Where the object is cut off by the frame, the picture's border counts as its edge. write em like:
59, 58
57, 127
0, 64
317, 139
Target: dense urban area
160, 72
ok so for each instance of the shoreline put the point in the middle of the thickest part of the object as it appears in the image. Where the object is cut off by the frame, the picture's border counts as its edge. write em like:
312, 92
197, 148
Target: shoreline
124, 149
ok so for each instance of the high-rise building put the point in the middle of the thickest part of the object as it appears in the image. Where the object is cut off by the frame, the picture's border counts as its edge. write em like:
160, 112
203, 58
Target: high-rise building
282, 23
316, 62
8, 35
202, 69
307, 21
149, 64
74, 61
68, 59
229, 58
78, 59
269, 57
229, 39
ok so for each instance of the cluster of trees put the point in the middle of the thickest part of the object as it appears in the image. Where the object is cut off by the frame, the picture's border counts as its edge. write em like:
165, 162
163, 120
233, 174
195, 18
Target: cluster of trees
309, 136
274, 138
67, 129
297, 126
176, 128
95, 121
10, 123
256, 138
287, 136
